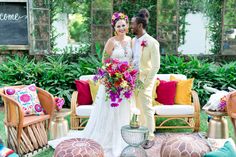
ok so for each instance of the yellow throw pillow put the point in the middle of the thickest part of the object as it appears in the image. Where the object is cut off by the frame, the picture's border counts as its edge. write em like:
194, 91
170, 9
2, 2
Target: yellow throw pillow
183, 90
93, 89
154, 93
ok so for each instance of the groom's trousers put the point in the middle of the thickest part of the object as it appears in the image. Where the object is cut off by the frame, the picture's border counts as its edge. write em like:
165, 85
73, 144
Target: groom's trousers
144, 103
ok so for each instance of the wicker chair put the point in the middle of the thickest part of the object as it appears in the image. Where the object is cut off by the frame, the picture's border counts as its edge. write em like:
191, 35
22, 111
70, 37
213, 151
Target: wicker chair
80, 114
25, 134
231, 108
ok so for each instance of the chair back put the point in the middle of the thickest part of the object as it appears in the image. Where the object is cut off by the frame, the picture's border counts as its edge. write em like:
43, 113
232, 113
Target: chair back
231, 104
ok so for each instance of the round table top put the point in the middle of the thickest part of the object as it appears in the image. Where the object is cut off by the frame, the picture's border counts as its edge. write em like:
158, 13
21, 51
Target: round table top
141, 129
216, 113
62, 113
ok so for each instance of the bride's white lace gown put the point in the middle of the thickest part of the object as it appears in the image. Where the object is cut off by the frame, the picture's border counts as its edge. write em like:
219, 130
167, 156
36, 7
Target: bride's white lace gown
105, 122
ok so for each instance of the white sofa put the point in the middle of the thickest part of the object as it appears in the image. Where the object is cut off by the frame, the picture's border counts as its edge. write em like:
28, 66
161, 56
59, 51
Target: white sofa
188, 113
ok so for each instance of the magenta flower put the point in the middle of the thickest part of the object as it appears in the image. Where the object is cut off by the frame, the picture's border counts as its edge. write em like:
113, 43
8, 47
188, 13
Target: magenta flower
128, 94
25, 98
10, 91
32, 87
123, 66
114, 104
101, 72
59, 103
38, 108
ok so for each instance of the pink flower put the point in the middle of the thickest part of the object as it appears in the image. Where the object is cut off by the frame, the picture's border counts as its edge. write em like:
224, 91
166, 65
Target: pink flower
32, 88
38, 108
59, 103
25, 98
10, 91
144, 43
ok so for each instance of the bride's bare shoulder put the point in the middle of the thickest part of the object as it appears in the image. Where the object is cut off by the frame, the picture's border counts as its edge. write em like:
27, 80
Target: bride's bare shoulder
109, 45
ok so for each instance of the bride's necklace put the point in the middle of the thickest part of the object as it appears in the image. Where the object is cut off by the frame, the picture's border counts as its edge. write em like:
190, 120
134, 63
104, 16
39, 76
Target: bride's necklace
125, 47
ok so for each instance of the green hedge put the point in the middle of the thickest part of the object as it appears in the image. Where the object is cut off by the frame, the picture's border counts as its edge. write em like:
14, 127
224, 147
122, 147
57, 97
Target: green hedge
56, 74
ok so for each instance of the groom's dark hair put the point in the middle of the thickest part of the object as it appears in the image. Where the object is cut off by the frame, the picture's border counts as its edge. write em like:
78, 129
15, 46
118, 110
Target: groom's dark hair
142, 17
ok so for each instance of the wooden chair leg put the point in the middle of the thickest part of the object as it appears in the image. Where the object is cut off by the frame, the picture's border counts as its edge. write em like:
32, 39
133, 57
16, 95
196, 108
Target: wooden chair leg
233, 120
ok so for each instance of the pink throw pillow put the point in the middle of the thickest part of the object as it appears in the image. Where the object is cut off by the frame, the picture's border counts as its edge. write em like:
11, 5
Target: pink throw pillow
27, 97
166, 91
84, 94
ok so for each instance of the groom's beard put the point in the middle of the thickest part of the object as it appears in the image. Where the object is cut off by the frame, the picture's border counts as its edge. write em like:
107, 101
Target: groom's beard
134, 33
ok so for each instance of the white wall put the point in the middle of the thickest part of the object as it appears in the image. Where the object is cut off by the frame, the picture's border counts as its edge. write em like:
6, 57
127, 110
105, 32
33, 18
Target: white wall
61, 26
196, 39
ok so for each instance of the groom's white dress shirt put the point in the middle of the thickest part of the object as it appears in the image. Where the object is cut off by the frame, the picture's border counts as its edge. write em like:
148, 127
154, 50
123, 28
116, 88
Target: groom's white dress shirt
137, 51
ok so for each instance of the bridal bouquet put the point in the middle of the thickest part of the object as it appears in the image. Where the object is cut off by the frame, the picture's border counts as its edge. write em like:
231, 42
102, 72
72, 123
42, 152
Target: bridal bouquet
119, 79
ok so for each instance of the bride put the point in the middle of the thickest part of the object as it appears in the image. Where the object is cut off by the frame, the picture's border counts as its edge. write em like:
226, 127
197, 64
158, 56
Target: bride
105, 122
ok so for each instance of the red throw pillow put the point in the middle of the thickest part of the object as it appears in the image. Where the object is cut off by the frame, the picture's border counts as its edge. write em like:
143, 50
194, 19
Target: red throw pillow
84, 95
166, 92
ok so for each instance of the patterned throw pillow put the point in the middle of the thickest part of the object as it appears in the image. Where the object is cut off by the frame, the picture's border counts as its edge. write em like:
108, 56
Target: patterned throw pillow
27, 97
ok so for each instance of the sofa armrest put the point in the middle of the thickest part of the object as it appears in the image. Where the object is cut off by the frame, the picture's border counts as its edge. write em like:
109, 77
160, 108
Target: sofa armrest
196, 104
74, 102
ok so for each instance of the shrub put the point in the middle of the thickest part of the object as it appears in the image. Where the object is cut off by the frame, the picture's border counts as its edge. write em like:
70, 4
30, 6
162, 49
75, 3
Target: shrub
57, 73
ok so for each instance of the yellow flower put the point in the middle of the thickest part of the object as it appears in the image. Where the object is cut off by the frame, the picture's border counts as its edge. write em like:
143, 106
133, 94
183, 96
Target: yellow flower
124, 84
122, 16
107, 64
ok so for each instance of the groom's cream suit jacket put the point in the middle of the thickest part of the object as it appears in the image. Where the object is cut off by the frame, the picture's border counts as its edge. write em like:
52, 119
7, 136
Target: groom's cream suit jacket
149, 63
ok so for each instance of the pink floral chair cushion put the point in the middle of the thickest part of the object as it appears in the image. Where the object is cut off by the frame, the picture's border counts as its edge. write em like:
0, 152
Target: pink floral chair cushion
27, 98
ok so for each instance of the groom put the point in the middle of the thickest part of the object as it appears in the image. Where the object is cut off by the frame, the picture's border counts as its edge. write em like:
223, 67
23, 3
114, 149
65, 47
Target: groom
146, 59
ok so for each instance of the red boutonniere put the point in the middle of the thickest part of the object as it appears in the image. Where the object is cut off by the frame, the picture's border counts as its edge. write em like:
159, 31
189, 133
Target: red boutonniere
144, 43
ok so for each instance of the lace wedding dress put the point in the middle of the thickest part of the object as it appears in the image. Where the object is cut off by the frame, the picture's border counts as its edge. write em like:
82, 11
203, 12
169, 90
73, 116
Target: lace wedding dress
105, 122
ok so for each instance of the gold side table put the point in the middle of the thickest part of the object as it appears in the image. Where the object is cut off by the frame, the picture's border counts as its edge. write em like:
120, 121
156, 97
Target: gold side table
59, 126
218, 125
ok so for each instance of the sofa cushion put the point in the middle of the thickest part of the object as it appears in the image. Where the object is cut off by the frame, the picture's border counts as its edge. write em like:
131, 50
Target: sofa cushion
93, 89
165, 92
165, 77
174, 109
84, 110
84, 94
183, 90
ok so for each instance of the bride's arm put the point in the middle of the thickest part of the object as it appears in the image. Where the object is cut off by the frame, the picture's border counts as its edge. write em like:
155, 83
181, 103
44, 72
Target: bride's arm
107, 52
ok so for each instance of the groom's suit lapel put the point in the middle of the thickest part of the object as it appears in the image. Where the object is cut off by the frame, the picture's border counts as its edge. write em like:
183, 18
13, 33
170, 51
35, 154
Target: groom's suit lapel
145, 48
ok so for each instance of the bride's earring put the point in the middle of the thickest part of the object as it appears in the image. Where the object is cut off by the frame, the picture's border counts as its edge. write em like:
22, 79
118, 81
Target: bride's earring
127, 30
115, 33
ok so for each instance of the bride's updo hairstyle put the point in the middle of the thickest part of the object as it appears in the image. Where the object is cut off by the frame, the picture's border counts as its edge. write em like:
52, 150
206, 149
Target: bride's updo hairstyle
142, 17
